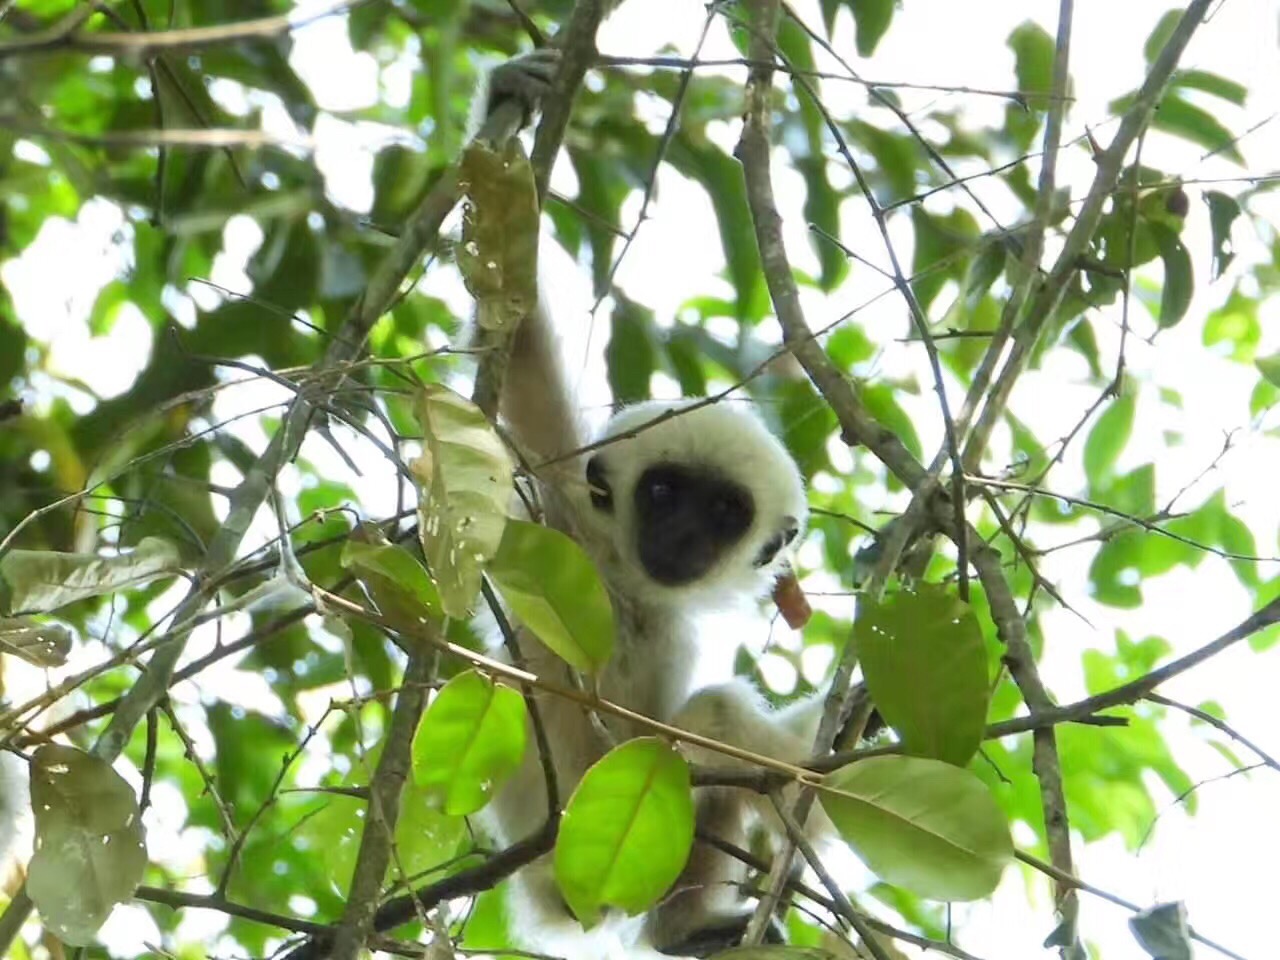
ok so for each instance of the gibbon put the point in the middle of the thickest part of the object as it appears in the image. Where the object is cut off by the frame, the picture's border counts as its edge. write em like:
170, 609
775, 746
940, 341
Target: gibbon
686, 516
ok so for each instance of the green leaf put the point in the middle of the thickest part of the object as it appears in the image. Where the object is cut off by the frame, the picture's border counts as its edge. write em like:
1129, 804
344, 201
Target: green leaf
921, 824
776, 952
44, 644
470, 741
465, 476
43, 580
330, 836
1108, 437
1269, 367
1160, 35
631, 355
627, 830
1228, 90
89, 848
1033, 51
397, 583
498, 256
1223, 211
872, 19
1179, 279
925, 664
1163, 931
553, 589
1184, 119
1235, 323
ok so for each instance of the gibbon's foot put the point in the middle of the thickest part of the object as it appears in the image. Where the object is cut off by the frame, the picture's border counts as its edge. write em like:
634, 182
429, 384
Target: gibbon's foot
722, 934
525, 79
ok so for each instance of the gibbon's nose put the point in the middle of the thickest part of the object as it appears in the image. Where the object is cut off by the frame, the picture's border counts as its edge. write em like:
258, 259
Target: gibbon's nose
676, 558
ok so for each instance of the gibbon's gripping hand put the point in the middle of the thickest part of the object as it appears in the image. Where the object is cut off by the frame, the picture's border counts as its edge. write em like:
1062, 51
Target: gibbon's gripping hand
524, 79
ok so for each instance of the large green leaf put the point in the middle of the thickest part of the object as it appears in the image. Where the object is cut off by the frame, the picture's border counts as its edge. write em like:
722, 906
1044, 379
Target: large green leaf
925, 664
553, 589
921, 824
627, 830
43, 580
471, 739
465, 476
89, 848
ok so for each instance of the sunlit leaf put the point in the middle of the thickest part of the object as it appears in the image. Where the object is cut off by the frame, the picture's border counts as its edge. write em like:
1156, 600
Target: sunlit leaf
465, 476
627, 830
89, 849
330, 833
43, 580
553, 589
925, 665
471, 739
921, 824
44, 644
498, 256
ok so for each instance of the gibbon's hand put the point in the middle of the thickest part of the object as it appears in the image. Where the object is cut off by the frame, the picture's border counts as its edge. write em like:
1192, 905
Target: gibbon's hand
524, 79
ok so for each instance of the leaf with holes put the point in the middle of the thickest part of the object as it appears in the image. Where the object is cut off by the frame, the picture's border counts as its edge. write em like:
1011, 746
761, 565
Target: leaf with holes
926, 668
464, 475
89, 850
627, 830
44, 644
553, 589
921, 824
470, 741
498, 256
42, 580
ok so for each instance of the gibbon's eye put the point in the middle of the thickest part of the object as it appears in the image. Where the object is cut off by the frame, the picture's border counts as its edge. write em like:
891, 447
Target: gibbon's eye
598, 487
777, 542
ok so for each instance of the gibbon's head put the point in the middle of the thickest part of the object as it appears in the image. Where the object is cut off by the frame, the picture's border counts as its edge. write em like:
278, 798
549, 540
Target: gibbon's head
699, 507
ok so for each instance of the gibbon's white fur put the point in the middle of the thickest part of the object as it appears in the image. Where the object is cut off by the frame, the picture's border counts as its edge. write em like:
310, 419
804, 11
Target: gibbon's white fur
15, 811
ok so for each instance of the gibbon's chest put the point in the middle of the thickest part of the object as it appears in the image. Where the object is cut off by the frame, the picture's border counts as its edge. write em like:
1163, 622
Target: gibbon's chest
653, 658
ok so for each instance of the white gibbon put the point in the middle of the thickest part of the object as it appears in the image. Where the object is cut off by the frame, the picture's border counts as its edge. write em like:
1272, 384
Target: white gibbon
686, 516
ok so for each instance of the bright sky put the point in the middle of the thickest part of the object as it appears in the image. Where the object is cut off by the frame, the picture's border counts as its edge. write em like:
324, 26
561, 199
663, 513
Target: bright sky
1222, 860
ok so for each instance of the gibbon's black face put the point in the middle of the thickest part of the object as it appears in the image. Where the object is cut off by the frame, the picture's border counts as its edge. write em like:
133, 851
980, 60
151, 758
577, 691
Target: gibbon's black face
685, 519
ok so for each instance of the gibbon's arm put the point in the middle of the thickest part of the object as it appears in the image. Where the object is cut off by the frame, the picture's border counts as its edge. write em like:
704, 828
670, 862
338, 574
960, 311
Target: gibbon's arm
536, 396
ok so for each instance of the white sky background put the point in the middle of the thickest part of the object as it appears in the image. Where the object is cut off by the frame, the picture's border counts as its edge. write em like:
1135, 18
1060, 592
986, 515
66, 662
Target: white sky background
1222, 861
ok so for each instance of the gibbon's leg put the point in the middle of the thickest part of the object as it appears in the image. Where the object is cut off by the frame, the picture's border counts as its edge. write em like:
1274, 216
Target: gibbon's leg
705, 913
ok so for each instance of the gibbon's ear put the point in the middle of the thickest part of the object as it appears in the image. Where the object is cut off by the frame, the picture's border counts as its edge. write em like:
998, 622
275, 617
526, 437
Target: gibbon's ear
598, 485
